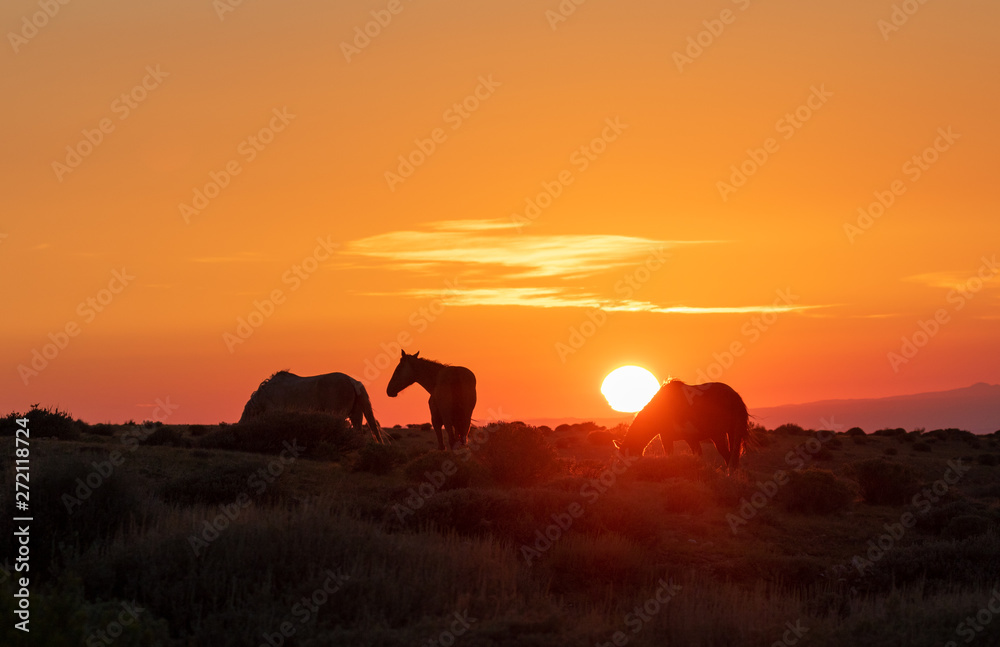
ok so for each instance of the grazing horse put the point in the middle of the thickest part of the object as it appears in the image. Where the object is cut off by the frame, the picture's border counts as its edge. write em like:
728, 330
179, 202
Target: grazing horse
338, 394
679, 411
452, 389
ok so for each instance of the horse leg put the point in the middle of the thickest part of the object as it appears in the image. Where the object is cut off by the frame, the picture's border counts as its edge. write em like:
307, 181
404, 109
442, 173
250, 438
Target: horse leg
736, 441
437, 424
722, 444
452, 435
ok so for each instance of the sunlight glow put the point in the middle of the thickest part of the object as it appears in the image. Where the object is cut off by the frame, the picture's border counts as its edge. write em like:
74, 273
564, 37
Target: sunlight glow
629, 388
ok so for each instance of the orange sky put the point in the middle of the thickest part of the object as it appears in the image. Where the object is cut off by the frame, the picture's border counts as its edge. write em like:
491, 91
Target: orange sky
601, 110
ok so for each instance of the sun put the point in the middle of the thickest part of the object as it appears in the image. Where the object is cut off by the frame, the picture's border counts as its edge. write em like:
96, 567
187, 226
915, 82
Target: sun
629, 388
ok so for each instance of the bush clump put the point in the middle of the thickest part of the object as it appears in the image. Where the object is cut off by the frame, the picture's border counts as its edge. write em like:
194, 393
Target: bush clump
43, 422
883, 482
270, 433
988, 459
816, 491
458, 471
170, 436
855, 431
378, 459
921, 446
516, 455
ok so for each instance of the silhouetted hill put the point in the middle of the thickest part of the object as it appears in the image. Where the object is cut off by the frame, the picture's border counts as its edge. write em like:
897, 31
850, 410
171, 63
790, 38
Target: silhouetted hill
975, 408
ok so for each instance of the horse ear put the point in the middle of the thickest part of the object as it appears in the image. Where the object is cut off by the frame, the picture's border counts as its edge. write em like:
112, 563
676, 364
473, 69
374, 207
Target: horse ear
402, 353
416, 354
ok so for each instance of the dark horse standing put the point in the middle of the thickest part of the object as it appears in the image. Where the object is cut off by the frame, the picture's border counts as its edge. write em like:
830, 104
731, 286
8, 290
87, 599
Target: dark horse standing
679, 411
452, 389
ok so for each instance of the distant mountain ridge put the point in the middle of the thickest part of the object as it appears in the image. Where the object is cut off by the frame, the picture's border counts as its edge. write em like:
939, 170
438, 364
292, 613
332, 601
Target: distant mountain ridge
974, 408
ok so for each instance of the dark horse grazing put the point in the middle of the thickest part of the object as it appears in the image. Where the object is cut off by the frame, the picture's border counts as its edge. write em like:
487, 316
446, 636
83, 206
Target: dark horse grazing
678, 411
452, 389
335, 393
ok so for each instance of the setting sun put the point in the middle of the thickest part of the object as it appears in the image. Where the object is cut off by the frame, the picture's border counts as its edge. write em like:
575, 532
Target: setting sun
629, 388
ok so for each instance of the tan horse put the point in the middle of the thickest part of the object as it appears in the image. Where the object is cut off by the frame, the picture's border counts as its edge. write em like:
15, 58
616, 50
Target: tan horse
679, 411
338, 394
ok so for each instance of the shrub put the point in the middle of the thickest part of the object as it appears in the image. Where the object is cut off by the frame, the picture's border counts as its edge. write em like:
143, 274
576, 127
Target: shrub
790, 429
860, 440
75, 502
815, 491
224, 485
269, 433
965, 526
166, 436
855, 431
899, 431
517, 455
890, 451
601, 438
921, 446
987, 459
378, 459
883, 482
43, 422
464, 473
660, 469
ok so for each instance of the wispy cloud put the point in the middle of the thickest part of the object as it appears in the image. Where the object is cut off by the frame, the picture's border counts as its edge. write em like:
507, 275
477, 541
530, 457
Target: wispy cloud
245, 257
948, 280
464, 241
559, 298
500, 262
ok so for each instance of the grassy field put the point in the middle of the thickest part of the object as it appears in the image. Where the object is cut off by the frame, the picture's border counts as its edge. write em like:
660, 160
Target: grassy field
296, 531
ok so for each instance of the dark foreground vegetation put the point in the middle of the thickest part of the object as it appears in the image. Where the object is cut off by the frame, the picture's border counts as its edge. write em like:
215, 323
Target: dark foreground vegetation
297, 531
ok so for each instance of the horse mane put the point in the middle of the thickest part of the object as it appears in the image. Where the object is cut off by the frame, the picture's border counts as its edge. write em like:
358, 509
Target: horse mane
429, 361
256, 393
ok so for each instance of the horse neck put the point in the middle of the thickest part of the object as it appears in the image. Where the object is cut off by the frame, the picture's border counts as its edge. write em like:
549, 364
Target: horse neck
426, 374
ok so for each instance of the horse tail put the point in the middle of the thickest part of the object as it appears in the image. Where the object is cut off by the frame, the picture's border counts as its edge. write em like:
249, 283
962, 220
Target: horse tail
366, 409
746, 437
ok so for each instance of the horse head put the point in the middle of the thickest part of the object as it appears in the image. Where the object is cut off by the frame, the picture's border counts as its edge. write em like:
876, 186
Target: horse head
404, 375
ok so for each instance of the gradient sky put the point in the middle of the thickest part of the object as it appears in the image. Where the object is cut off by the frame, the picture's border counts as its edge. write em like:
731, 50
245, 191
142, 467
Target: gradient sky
642, 238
